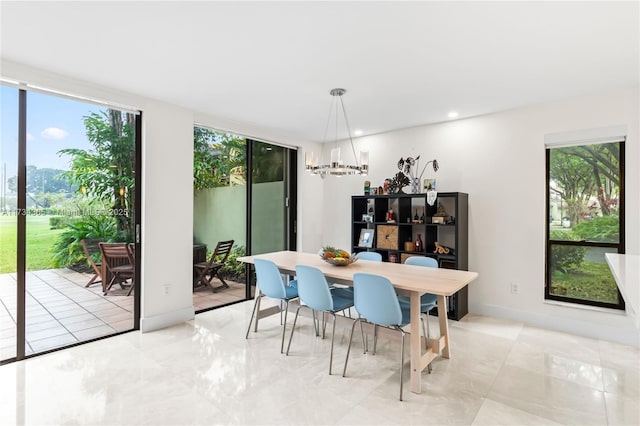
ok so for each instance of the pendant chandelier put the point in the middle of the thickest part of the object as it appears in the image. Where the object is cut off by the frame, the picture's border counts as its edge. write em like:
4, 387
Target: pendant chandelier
336, 166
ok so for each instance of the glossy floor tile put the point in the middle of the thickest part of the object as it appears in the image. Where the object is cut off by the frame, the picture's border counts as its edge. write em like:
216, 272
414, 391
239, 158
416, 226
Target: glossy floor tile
205, 372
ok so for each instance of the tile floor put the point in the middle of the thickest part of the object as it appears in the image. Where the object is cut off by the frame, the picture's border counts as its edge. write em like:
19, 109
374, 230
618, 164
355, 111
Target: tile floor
204, 297
61, 311
205, 372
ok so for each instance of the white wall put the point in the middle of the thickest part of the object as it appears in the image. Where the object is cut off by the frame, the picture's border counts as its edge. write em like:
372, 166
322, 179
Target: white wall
499, 159
167, 223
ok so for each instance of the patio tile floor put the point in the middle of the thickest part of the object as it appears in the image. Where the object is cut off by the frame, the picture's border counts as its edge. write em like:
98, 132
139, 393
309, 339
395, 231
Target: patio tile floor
61, 311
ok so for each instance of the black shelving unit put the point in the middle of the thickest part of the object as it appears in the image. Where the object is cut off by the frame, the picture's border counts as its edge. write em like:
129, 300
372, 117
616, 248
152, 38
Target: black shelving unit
453, 233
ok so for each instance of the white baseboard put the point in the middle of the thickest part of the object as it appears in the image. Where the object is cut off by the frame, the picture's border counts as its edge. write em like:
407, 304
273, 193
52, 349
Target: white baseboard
166, 319
629, 335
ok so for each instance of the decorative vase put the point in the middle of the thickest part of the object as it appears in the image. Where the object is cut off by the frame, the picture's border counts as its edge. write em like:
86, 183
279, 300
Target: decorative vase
419, 243
415, 186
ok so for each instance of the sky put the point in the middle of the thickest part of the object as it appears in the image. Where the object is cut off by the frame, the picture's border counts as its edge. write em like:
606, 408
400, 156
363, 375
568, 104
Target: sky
53, 123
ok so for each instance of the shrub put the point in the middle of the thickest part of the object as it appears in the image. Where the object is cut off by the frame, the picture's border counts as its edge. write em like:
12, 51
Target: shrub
59, 222
564, 258
601, 229
67, 250
233, 269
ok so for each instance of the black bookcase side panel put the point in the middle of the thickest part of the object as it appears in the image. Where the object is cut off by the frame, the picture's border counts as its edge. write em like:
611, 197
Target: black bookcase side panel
462, 232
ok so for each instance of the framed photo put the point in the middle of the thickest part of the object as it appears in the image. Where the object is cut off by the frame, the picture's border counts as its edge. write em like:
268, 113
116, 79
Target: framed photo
367, 218
366, 238
429, 184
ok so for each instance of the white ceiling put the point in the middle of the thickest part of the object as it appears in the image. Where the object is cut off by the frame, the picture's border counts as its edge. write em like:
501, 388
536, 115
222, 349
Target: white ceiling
271, 65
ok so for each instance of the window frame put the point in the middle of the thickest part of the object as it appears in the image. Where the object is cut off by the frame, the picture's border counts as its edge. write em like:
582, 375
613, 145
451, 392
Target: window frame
620, 245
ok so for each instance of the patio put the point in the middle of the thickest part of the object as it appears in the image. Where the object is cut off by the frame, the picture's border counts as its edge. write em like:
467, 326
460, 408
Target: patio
61, 311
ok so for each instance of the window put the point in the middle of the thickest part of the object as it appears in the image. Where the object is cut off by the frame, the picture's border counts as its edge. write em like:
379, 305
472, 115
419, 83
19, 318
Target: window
585, 220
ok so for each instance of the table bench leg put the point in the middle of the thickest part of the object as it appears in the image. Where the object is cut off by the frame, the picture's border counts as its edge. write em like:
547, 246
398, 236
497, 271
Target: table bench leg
416, 343
444, 325
419, 361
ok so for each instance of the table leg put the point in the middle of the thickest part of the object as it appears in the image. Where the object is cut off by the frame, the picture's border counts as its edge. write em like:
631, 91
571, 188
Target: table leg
444, 325
416, 343
258, 297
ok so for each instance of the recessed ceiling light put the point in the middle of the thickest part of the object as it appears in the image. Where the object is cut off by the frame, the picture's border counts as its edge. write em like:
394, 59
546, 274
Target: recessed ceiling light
357, 132
453, 114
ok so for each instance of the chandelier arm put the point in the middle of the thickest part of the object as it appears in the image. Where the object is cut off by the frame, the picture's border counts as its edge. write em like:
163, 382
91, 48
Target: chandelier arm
326, 130
346, 120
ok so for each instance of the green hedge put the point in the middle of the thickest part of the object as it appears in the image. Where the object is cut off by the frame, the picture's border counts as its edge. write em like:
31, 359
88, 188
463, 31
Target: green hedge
564, 258
601, 229
59, 222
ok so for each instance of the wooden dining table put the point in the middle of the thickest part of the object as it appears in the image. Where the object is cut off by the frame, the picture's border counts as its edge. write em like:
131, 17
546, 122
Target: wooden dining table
408, 280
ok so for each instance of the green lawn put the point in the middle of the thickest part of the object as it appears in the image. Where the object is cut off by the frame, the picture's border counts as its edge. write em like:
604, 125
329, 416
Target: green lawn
39, 240
592, 281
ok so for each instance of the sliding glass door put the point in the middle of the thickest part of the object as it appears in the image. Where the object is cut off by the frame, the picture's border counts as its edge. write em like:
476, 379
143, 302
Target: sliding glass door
219, 216
8, 222
70, 183
272, 203
256, 210
272, 197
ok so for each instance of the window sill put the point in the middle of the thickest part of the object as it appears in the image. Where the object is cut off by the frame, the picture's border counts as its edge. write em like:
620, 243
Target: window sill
587, 307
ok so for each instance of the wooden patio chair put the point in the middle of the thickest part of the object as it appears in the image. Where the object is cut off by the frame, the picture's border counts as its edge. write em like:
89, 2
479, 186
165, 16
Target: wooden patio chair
91, 249
118, 259
205, 271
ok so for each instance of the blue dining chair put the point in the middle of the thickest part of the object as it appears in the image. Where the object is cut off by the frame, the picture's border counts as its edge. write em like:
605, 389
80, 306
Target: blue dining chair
372, 256
377, 303
270, 284
369, 255
427, 301
315, 293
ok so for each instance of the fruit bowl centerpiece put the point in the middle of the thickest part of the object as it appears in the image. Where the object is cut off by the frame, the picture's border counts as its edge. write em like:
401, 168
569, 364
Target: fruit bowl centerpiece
336, 256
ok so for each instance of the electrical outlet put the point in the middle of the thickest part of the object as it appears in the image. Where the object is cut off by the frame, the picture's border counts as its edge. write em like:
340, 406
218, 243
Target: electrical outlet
514, 288
166, 289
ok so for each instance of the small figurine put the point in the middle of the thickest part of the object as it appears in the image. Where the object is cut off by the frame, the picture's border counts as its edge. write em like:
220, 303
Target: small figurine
386, 186
391, 217
416, 219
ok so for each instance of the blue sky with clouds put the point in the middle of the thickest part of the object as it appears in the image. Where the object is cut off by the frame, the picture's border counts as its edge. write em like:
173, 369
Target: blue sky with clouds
53, 123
